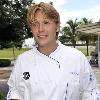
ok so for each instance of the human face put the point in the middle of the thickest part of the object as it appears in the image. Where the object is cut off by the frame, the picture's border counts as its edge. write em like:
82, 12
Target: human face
44, 30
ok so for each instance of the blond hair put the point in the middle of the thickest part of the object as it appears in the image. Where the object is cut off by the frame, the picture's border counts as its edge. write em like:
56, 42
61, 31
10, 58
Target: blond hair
46, 8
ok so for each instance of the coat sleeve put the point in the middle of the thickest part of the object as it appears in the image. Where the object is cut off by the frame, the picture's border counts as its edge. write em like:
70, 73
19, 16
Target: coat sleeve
13, 82
89, 88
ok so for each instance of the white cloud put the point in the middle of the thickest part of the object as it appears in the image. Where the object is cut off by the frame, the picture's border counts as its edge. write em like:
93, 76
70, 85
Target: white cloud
55, 2
92, 13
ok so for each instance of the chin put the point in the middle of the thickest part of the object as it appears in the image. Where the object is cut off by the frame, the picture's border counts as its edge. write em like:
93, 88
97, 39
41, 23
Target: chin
42, 44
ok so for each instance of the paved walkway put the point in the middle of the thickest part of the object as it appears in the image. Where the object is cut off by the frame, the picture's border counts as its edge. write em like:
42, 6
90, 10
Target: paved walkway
97, 74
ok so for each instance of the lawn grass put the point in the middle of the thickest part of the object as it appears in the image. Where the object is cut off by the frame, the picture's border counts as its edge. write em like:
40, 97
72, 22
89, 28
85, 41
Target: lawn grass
84, 50
8, 53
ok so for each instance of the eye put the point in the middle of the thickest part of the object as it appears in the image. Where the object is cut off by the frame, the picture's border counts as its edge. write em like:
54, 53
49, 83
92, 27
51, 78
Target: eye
35, 24
46, 22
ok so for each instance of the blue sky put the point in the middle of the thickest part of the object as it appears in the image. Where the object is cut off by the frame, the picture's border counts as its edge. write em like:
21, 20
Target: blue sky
72, 9
80, 4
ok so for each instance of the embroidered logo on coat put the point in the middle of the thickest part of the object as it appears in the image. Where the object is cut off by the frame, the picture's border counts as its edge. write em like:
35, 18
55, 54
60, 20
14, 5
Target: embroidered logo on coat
74, 73
26, 75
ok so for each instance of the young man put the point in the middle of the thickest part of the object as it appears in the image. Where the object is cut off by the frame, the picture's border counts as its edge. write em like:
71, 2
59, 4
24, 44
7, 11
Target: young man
50, 71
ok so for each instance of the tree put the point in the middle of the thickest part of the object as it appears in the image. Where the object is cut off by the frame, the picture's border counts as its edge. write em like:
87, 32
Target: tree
85, 21
94, 38
65, 37
13, 24
69, 32
4, 22
84, 36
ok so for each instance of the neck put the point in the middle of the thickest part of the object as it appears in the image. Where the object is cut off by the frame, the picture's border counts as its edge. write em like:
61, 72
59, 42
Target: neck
47, 50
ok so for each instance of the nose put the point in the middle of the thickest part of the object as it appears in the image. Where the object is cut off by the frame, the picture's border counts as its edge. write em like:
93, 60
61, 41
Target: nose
41, 27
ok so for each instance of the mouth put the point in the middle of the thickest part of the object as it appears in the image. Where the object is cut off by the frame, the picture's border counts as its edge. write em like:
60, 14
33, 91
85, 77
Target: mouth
42, 36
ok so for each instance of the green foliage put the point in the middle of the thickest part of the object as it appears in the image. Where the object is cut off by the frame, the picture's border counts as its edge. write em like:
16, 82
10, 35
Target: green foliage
2, 96
69, 32
64, 39
13, 22
83, 36
5, 62
85, 21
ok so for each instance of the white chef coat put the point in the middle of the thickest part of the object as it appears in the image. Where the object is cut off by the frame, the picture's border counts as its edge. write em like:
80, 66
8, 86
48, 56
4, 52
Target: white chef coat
63, 75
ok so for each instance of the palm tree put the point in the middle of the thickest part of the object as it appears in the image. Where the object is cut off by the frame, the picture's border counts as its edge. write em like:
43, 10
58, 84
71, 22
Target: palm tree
84, 36
69, 31
85, 21
65, 37
72, 26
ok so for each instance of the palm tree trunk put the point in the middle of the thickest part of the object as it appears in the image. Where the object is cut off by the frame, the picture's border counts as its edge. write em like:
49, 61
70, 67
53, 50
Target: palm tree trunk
87, 48
13, 53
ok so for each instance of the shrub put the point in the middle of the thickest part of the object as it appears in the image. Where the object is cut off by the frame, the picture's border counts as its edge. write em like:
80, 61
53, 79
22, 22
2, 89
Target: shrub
1, 96
5, 62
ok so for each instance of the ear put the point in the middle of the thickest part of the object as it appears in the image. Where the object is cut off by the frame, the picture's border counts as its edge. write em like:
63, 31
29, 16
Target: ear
58, 27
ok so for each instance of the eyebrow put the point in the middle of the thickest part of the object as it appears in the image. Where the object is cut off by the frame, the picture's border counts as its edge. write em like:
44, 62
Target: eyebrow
47, 19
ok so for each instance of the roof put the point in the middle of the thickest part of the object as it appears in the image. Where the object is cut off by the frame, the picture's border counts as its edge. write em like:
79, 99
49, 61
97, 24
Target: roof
90, 28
